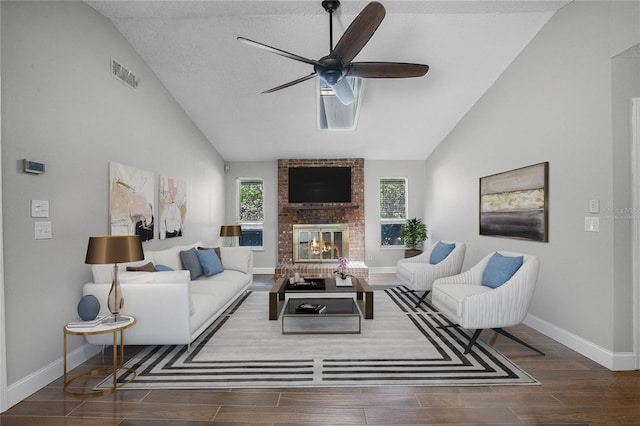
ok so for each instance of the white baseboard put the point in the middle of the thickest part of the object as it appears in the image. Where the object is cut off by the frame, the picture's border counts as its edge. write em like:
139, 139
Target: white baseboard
616, 361
264, 271
383, 270
34, 382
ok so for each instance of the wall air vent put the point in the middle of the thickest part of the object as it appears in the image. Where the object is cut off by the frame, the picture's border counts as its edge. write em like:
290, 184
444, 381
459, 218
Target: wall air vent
124, 75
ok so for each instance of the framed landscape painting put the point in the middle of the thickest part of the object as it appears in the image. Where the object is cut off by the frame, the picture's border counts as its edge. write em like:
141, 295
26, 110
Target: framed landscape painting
515, 204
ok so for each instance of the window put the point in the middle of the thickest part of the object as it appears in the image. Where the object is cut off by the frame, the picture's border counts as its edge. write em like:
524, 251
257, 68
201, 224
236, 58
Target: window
393, 210
251, 211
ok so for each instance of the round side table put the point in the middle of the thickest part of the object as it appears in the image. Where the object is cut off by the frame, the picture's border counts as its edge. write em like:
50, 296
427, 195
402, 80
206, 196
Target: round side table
118, 355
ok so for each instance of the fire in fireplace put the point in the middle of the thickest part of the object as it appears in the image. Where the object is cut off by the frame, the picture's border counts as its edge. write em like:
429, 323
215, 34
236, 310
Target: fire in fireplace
320, 243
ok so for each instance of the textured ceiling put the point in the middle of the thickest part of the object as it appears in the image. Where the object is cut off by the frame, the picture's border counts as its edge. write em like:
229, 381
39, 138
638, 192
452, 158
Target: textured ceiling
191, 46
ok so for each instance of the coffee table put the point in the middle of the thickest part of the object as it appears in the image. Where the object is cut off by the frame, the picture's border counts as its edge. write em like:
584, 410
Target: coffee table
341, 316
364, 294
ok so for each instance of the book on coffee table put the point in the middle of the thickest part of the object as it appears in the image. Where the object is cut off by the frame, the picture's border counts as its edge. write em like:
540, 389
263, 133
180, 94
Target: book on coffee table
310, 308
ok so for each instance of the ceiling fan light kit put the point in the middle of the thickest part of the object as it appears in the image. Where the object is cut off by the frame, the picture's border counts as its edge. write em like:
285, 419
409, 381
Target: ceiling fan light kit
335, 67
332, 113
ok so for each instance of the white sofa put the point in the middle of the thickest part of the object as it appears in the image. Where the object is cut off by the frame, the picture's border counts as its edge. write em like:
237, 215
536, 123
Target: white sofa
169, 307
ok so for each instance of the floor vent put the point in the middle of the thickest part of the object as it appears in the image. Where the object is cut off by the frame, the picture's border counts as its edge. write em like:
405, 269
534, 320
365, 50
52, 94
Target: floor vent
123, 74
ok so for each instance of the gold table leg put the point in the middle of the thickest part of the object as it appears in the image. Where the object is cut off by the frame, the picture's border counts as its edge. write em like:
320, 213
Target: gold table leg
117, 365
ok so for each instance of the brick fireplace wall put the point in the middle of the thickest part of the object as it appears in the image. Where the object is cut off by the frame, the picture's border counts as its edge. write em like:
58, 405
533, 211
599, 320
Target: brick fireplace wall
349, 213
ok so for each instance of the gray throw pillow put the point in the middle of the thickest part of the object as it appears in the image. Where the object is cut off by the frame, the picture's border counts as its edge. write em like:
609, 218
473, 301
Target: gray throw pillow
191, 263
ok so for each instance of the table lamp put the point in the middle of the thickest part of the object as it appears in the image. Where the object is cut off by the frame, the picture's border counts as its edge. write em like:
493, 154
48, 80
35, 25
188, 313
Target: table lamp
105, 249
230, 231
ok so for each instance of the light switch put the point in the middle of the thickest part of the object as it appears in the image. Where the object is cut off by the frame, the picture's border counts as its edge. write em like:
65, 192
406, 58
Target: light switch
43, 231
592, 224
594, 206
39, 208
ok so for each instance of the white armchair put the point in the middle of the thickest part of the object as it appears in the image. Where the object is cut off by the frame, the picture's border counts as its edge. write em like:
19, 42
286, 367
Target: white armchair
418, 273
466, 302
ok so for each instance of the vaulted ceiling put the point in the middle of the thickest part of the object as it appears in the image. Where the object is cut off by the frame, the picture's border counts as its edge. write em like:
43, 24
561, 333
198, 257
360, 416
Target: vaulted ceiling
192, 48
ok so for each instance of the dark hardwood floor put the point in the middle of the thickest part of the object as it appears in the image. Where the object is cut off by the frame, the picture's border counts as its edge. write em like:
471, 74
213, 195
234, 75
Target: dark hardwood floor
574, 390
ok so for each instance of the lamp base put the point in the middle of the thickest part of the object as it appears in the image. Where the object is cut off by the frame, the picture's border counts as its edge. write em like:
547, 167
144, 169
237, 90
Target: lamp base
116, 319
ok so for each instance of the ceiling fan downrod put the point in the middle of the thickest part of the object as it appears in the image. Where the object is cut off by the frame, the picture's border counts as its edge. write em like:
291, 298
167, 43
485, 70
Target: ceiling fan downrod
330, 6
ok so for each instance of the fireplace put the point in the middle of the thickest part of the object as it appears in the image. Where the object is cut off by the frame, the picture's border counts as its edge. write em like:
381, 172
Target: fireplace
300, 254
319, 243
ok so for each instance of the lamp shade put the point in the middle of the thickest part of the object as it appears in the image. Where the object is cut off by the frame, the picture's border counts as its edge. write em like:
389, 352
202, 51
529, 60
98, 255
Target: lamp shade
230, 231
114, 249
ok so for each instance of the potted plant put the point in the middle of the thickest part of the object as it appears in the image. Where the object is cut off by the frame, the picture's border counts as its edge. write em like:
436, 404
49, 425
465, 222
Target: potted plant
414, 233
343, 279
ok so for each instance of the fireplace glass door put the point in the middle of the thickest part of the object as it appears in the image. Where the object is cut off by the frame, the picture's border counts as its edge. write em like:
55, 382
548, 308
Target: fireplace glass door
320, 243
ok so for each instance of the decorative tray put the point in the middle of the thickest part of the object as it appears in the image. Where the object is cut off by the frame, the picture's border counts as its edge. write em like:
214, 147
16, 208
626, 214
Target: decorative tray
307, 284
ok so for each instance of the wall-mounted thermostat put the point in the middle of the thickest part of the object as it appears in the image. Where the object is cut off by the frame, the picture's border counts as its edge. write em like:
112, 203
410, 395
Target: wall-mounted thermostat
33, 167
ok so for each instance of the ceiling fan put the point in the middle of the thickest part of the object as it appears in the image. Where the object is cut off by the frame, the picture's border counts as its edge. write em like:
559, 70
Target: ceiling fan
333, 68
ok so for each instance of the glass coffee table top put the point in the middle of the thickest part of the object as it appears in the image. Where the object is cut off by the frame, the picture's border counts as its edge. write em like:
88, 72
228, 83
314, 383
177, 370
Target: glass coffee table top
339, 315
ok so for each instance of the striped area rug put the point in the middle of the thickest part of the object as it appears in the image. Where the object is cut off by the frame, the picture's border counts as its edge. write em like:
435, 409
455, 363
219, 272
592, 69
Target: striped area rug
400, 346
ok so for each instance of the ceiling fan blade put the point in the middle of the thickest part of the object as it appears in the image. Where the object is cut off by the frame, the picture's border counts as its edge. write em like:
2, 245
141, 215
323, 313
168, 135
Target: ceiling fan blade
344, 91
278, 51
359, 33
386, 70
291, 83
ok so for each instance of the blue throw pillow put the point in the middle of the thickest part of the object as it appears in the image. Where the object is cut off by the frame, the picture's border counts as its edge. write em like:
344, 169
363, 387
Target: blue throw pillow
163, 268
440, 252
190, 261
500, 269
210, 262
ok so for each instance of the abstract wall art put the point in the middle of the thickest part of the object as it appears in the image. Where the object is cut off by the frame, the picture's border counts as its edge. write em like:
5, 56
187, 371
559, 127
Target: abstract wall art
515, 204
173, 207
131, 201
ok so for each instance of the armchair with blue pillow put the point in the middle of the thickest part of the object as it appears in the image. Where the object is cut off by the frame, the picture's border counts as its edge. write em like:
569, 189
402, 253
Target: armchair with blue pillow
442, 259
495, 293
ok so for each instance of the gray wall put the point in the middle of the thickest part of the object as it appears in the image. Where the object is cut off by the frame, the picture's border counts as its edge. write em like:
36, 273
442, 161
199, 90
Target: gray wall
378, 259
62, 107
554, 103
264, 261
626, 83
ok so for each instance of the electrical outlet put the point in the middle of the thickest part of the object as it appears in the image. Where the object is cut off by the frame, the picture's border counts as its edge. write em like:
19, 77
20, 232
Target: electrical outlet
594, 206
592, 224
43, 231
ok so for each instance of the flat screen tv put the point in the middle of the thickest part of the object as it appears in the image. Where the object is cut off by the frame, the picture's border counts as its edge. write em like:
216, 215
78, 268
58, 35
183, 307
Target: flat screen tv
320, 184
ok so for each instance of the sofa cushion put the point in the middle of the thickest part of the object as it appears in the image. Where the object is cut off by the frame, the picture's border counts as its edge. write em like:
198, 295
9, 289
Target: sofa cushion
154, 277
500, 269
450, 297
104, 273
191, 263
169, 257
204, 284
210, 262
236, 258
163, 268
216, 249
222, 285
148, 267
440, 252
